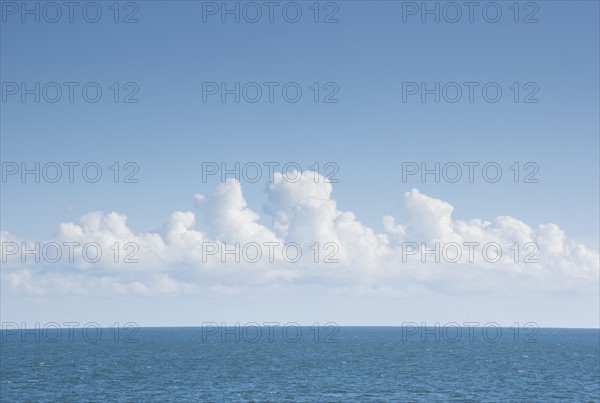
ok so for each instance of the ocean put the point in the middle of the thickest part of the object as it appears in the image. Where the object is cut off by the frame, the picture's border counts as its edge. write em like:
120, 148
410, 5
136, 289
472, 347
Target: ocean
300, 364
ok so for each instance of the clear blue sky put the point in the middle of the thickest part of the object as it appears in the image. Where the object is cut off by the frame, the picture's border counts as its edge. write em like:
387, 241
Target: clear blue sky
369, 53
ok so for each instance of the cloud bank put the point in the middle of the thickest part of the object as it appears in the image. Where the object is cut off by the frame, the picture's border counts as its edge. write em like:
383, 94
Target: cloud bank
308, 241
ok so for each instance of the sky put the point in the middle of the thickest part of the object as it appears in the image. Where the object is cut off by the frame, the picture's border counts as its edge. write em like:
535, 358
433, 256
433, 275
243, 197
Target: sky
365, 116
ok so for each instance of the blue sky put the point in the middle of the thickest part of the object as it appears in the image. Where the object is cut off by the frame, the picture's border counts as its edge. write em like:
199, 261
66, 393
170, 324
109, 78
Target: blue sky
369, 53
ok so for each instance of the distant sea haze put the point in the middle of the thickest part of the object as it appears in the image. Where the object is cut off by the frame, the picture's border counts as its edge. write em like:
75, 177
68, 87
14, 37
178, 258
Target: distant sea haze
300, 364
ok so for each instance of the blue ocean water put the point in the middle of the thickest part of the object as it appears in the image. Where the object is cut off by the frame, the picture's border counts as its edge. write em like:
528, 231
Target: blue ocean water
325, 364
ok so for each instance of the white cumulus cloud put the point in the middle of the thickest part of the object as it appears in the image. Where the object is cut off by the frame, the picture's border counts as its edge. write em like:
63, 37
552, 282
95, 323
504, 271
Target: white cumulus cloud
233, 250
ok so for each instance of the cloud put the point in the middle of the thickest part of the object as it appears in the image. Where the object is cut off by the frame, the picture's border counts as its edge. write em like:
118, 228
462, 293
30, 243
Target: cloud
228, 217
428, 251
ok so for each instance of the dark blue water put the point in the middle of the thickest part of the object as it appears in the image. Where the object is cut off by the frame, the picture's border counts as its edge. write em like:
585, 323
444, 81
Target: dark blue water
352, 364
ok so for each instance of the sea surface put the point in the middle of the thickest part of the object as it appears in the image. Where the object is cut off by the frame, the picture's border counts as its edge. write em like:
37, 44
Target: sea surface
308, 364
